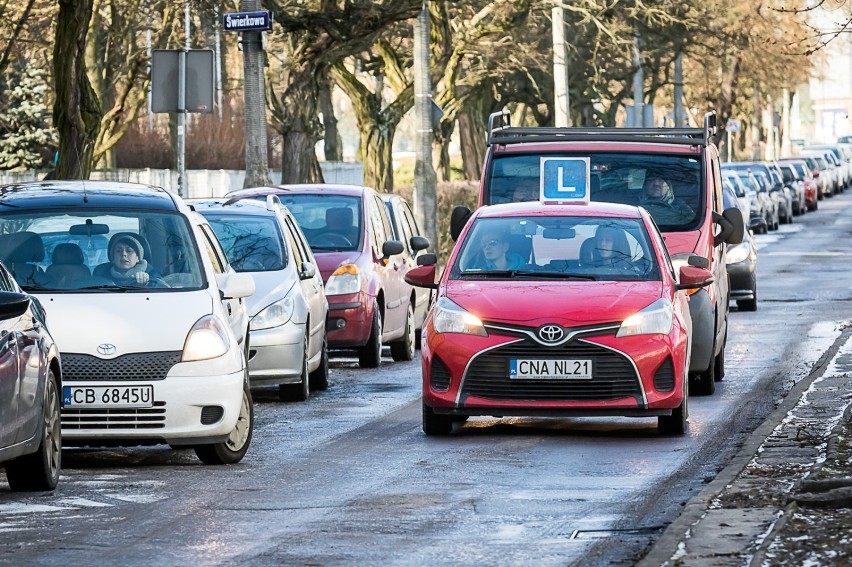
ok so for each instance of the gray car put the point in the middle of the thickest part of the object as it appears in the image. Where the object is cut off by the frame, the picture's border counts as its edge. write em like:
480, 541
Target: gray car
287, 344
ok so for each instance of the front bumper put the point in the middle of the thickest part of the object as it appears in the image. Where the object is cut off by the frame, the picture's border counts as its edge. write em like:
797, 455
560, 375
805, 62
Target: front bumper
743, 280
275, 355
355, 313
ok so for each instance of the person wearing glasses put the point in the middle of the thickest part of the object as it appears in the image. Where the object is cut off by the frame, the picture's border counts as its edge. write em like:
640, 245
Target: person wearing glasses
496, 254
659, 200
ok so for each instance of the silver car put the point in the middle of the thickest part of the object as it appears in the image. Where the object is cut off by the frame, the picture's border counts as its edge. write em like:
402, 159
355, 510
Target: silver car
287, 344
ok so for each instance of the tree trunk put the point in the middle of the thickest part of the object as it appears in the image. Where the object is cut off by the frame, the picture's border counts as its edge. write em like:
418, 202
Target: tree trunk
332, 144
76, 111
377, 150
300, 128
472, 142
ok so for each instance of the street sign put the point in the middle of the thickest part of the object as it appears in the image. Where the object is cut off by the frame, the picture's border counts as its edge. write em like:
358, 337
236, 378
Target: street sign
247, 21
733, 125
565, 180
165, 80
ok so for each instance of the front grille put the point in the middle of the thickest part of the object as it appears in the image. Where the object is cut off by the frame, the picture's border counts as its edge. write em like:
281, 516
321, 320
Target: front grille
211, 414
613, 375
439, 376
119, 418
664, 380
145, 366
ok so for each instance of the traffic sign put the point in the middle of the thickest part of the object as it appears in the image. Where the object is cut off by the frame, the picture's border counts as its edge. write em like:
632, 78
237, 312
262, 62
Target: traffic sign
247, 21
733, 125
565, 180
165, 65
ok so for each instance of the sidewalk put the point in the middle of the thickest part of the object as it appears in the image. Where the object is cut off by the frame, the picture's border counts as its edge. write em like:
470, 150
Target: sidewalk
786, 498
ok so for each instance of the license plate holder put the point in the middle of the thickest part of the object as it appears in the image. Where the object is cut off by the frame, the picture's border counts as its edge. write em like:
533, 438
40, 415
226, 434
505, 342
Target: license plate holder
108, 397
550, 369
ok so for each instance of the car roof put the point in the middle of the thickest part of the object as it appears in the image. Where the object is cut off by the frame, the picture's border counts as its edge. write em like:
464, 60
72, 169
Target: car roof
298, 189
87, 194
534, 208
609, 147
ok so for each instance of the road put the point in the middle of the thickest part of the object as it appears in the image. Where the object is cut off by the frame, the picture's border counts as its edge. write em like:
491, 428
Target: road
349, 478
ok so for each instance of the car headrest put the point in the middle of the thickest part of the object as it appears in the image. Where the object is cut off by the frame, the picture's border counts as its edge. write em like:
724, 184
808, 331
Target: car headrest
68, 253
339, 217
22, 247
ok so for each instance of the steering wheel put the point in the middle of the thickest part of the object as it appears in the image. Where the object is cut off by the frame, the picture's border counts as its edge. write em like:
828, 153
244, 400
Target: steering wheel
332, 239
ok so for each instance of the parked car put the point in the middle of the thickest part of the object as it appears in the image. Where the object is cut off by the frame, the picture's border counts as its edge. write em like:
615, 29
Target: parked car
810, 183
30, 382
690, 213
288, 345
827, 170
741, 261
406, 230
350, 234
822, 181
767, 207
737, 188
595, 321
837, 156
128, 378
774, 184
796, 184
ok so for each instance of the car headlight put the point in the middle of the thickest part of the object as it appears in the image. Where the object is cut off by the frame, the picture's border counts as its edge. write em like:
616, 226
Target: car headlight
345, 279
207, 339
738, 253
452, 318
653, 320
274, 315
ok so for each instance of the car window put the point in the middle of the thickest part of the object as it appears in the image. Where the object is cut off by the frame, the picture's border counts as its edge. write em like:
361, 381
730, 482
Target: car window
298, 253
5, 281
615, 178
409, 222
379, 229
301, 243
252, 243
215, 254
329, 222
555, 247
69, 250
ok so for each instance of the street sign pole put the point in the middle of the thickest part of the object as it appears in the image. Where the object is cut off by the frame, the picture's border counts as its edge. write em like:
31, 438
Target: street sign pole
181, 129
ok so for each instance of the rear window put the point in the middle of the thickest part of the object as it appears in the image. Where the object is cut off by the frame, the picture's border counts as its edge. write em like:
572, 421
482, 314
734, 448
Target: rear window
615, 178
252, 243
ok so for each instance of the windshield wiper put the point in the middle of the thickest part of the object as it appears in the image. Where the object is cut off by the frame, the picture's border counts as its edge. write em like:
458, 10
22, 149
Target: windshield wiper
326, 248
527, 274
111, 287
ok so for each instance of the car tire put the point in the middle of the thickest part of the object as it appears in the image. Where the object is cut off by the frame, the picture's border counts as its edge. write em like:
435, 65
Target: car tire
814, 206
39, 471
678, 422
234, 448
302, 391
748, 304
370, 355
402, 350
704, 383
434, 424
319, 377
719, 364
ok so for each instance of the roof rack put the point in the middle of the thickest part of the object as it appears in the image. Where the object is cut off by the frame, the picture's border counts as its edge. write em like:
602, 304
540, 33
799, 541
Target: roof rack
500, 131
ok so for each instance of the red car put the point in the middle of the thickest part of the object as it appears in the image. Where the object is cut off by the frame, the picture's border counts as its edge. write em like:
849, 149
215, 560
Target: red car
558, 310
352, 239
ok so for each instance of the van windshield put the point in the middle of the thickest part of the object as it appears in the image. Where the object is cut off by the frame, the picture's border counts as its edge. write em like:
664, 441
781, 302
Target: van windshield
100, 251
669, 187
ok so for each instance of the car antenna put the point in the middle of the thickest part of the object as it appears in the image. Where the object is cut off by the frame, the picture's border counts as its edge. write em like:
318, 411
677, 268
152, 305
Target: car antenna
82, 181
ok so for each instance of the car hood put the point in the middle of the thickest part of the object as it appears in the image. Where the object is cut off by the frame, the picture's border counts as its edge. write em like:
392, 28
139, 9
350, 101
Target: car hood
330, 261
132, 322
269, 287
534, 303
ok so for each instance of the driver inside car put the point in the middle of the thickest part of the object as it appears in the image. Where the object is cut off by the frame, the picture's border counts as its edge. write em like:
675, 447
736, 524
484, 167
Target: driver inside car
496, 254
127, 264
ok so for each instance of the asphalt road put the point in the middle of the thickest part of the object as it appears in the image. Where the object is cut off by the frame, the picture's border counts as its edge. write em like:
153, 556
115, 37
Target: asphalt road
349, 478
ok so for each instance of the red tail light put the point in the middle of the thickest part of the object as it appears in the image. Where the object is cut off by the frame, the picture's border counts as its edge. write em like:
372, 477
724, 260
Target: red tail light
816, 174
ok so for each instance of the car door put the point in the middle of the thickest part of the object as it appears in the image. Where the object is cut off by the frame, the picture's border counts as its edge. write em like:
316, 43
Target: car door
387, 268
422, 295
312, 288
32, 369
9, 371
234, 307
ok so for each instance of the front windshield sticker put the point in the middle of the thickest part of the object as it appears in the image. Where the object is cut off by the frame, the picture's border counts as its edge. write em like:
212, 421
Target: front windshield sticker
565, 180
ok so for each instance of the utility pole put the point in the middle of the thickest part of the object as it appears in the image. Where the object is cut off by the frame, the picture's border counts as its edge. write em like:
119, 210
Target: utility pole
183, 188
425, 180
638, 87
257, 167
786, 143
560, 68
679, 115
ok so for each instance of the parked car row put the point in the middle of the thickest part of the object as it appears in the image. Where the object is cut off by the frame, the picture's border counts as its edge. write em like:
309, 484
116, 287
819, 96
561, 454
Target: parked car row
165, 313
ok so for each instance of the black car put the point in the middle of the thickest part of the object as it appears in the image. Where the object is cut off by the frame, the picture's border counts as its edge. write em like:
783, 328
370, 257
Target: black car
741, 261
30, 437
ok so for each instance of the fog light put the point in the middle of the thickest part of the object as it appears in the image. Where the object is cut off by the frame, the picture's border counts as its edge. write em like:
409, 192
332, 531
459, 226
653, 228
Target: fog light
334, 324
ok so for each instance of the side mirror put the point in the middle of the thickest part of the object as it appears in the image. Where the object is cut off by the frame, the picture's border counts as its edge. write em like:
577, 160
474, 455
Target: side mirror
392, 248
691, 260
235, 285
419, 243
458, 220
427, 259
731, 227
13, 304
307, 271
422, 276
694, 278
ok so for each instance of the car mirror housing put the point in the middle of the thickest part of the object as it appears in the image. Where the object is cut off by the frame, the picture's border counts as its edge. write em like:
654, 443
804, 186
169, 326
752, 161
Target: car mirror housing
235, 285
731, 227
422, 276
692, 277
392, 248
419, 243
13, 304
458, 220
427, 259
307, 271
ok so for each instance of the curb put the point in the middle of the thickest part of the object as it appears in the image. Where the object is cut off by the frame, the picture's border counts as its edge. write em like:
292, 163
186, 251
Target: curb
695, 509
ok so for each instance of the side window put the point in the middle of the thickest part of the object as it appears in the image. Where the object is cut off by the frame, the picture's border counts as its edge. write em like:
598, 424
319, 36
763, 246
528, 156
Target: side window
408, 222
661, 243
377, 226
298, 252
5, 281
717, 186
214, 251
301, 243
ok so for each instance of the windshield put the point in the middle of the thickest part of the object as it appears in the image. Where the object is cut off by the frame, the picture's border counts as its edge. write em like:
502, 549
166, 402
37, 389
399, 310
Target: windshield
331, 223
615, 178
557, 247
788, 173
252, 243
95, 251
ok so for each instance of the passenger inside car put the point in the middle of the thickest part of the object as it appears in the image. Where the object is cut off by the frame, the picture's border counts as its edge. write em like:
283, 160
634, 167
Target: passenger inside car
68, 267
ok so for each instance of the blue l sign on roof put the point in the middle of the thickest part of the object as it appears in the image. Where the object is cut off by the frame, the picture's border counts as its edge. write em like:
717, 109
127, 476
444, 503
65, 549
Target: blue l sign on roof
564, 180
247, 21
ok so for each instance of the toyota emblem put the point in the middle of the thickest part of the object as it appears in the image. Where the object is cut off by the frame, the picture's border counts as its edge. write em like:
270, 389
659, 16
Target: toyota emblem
106, 349
551, 333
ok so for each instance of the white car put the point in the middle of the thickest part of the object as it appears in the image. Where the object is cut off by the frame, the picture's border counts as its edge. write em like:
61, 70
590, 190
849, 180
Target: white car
288, 345
152, 340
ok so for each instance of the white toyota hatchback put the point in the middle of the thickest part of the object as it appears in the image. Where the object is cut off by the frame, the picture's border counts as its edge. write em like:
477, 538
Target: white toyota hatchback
147, 313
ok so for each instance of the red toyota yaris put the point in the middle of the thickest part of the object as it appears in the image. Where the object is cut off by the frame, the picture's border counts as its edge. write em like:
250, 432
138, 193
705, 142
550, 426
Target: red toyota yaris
557, 310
